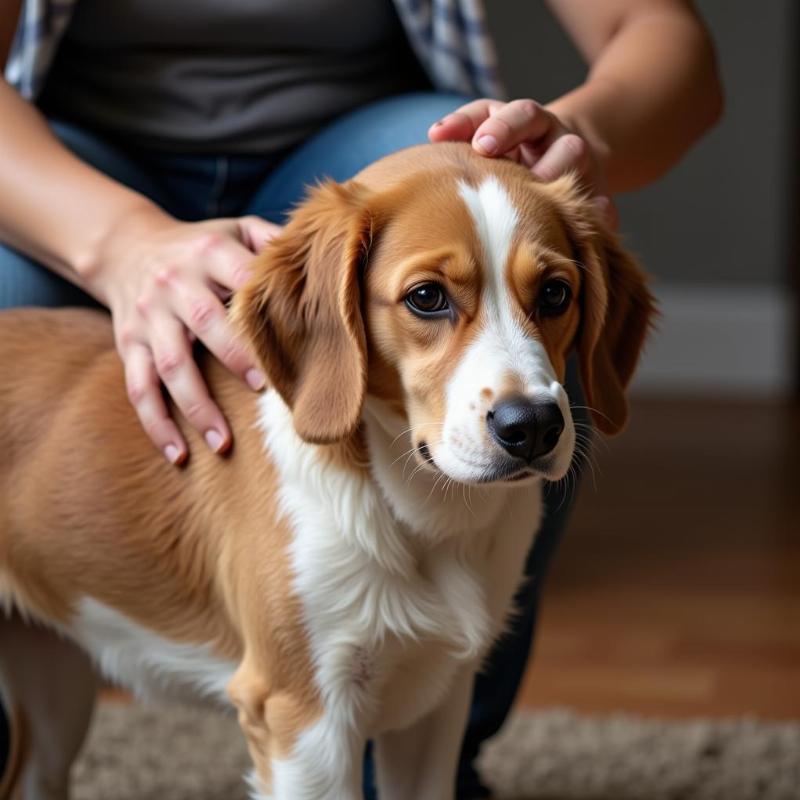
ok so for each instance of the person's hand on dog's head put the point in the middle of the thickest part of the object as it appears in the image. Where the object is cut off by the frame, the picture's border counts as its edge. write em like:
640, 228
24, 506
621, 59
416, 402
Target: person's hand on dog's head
530, 134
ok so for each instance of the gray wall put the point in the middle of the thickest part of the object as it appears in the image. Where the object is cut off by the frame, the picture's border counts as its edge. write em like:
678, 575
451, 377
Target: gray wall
720, 216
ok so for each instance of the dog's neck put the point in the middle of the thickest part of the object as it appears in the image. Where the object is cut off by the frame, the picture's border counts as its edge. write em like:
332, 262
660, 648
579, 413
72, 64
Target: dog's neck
386, 506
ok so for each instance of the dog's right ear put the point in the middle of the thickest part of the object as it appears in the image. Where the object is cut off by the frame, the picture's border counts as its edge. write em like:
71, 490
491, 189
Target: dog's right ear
616, 305
301, 310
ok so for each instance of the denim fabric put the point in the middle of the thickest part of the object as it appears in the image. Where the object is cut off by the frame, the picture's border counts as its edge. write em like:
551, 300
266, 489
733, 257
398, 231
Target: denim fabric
198, 187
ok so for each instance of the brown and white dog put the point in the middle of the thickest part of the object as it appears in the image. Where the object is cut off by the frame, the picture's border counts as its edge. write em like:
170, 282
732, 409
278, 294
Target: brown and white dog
332, 578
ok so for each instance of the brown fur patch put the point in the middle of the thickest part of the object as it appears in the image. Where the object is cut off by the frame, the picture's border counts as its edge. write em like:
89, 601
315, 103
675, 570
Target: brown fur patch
302, 312
617, 308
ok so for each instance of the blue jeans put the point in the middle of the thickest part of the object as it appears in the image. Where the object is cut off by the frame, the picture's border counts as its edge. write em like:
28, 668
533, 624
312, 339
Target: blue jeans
200, 187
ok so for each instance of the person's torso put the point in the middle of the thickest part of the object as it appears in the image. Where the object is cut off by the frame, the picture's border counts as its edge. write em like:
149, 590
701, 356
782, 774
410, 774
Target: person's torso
250, 76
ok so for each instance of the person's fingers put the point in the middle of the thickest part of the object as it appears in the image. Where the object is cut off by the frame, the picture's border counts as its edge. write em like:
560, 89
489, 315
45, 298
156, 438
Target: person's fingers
256, 233
568, 152
516, 122
205, 317
216, 252
461, 124
528, 154
455, 127
178, 371
144, 393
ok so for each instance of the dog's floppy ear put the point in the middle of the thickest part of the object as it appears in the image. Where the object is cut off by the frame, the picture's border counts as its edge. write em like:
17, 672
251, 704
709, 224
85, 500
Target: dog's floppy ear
301, 311
617, 307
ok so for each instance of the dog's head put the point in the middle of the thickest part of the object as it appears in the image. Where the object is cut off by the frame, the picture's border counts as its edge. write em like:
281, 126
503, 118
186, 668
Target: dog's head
454, 298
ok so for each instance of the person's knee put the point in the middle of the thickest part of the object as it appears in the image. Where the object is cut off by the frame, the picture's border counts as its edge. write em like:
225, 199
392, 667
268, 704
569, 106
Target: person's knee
350, 143
417, 110
397, 122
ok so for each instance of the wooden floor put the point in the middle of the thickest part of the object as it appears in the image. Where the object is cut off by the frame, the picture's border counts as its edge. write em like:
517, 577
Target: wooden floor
677, 589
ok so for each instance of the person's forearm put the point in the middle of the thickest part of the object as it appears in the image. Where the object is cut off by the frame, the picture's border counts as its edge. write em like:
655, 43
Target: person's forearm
53, 206
651, 92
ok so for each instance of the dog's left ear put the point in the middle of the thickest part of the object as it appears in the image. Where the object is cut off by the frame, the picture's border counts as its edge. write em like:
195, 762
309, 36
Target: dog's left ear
301, 311
617, 307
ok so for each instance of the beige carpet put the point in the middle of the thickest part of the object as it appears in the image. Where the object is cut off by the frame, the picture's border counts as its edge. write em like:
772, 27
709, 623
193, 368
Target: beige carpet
137, 753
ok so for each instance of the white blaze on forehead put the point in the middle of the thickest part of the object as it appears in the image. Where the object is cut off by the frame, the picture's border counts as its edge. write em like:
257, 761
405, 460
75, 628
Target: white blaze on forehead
495, 219
504, 353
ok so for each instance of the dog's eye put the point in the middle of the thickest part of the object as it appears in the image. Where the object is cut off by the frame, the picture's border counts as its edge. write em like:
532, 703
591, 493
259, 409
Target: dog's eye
554, 297
428, 300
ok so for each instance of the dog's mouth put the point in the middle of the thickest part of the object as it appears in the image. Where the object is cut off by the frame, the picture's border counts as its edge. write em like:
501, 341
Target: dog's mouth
543, 468
428, 461
425, 454
510, 472
518, 476
507, 472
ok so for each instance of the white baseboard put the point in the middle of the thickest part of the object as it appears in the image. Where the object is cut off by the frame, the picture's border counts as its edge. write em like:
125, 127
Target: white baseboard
720, 339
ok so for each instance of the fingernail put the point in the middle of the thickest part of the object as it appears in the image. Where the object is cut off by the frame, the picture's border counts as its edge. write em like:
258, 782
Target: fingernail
172, 453
214, 440
444, 119
488, 144
256, 379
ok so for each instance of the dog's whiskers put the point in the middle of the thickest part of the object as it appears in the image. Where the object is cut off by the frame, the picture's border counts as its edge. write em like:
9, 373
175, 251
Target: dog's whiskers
592, 410
415, 428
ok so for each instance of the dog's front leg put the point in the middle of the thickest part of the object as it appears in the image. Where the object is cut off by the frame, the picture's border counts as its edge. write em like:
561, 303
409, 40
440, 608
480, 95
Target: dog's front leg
420, 762
302, 749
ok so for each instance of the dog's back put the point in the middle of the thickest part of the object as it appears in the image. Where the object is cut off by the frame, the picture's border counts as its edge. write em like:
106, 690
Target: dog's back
67, 341
75, 466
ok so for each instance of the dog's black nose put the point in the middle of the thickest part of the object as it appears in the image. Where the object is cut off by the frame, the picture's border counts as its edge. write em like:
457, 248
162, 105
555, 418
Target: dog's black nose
525, 429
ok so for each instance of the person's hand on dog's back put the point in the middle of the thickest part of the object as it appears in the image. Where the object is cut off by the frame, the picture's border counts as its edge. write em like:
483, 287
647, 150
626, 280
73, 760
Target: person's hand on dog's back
162, 279
165, 282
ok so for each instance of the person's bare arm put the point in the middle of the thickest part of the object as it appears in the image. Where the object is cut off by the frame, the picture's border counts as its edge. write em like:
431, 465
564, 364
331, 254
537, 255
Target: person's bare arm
652, 90
161, 278
54, 207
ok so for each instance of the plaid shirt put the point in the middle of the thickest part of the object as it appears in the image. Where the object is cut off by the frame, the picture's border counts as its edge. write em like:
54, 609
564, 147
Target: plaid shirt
449, 37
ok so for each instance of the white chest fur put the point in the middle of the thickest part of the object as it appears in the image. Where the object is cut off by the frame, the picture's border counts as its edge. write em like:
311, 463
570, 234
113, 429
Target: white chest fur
397, 591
